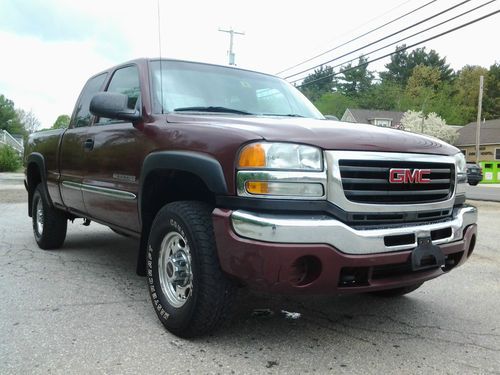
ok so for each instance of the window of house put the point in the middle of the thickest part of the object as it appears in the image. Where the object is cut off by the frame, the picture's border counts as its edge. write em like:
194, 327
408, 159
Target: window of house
497, 154
82, 113
464, 151
382, 122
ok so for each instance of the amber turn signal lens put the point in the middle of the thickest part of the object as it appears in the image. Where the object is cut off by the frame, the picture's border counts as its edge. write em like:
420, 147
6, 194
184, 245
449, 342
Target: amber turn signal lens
257, 187
252, 156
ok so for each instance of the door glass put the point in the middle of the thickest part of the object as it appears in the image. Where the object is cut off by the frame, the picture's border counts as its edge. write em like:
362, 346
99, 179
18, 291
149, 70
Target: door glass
82, 114
125, 81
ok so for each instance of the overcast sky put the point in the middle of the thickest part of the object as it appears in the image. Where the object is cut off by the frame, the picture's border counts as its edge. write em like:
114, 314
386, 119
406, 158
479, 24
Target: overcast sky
51, 47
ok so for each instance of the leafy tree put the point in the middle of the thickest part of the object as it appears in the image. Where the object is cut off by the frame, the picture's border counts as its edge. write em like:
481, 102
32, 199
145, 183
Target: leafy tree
9, 119
433, 125
355, 80
445, 103
491, 100
62, 122
385, 95
402, 63
467, 87
334, 103
318, 83
422, 86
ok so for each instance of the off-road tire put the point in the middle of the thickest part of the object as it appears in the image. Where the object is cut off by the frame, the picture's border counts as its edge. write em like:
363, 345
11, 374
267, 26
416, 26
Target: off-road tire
212, 292
397, 292
54, 221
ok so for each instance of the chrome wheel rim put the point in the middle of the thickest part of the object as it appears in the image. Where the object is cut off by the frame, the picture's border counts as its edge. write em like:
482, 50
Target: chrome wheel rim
39, 217
174, 269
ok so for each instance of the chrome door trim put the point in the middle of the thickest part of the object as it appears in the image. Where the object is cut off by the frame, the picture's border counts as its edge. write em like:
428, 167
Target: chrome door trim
113, 193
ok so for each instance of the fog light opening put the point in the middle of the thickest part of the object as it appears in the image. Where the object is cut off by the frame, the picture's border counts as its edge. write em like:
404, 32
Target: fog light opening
305, 270
472, 245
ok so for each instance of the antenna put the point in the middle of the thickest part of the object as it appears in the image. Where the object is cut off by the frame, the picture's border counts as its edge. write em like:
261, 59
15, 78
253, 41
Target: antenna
161, 60
231, 35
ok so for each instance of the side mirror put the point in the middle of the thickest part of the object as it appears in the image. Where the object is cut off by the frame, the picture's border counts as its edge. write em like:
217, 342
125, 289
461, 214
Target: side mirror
113, 105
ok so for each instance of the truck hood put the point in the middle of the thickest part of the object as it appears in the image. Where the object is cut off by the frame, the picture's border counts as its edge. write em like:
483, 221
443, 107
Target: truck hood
329, 135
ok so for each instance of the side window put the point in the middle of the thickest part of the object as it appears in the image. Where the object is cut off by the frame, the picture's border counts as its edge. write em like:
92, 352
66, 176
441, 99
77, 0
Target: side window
125, 81
82, 113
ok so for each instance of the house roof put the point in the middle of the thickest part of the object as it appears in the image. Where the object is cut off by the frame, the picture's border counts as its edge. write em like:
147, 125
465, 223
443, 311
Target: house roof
364, 116
490, 133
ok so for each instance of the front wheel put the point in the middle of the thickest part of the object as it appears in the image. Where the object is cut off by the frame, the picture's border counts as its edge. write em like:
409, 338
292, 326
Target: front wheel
397, 292
49, 223
190, 293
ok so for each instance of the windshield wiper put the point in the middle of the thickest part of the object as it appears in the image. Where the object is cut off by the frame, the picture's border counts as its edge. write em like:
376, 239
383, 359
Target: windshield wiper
212, 109
282, 114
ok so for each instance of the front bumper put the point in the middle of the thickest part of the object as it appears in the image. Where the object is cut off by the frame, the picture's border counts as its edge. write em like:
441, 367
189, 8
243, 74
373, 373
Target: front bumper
326, 230
273, 252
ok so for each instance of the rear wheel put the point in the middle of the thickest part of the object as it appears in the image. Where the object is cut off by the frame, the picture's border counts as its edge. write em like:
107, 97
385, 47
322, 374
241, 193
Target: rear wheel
49, 224
396, 292
190, 293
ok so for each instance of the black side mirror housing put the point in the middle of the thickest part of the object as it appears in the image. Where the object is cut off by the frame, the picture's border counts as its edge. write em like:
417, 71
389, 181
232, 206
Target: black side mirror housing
113, 105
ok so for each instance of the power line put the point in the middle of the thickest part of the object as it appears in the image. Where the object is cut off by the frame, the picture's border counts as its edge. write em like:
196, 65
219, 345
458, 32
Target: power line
358, 37
408, 37
381, 39
405, 48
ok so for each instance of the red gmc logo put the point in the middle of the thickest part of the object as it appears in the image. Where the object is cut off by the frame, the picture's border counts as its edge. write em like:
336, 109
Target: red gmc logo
408, 176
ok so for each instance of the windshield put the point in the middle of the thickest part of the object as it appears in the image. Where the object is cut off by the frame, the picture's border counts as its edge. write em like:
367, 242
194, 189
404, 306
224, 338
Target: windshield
209, 88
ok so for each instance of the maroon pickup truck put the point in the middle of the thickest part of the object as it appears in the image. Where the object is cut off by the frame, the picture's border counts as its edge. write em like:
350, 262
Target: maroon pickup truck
232, 178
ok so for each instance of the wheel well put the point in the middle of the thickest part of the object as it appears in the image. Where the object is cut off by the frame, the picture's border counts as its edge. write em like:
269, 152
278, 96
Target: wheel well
165, 186
34, 177
161, 187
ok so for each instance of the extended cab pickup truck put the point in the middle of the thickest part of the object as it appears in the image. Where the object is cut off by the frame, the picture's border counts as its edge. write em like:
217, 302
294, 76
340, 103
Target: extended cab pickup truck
232, 178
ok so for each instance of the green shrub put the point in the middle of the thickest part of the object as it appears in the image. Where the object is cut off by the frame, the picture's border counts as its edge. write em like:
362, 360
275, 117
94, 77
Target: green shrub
10, 160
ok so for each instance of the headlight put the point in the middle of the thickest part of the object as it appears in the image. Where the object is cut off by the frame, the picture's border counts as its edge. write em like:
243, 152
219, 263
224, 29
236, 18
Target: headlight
285, 156
281, 171
460, 163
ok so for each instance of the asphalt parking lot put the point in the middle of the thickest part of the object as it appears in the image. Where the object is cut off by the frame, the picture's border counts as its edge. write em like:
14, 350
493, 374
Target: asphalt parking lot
82, 309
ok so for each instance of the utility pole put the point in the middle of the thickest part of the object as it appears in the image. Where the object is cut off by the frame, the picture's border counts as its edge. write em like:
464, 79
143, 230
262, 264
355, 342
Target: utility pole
479, 109
231, 36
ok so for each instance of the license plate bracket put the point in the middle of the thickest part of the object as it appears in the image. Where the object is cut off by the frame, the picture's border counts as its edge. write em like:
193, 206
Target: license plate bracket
426, 255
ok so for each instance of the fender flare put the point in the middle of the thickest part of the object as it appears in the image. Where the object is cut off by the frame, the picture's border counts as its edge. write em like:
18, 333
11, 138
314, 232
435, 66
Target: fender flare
202, 165
37, 159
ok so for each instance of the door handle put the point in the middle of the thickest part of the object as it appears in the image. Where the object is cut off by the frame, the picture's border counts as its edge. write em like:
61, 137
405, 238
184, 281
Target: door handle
88, 145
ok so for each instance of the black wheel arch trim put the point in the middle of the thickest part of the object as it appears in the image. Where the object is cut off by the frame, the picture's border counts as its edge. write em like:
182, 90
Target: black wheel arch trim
37, 159
207, 168
202, 165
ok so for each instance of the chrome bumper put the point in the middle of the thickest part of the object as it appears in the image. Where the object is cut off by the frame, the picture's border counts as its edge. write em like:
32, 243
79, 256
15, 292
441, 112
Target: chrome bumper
315, 229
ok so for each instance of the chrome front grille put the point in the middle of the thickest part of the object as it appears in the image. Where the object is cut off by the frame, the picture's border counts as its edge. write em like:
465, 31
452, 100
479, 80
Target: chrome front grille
367, 181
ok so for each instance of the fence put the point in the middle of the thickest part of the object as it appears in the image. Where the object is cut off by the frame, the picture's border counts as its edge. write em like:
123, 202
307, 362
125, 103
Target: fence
7, 139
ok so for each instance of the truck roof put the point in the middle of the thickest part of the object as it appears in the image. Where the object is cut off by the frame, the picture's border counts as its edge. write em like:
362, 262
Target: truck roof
145, 60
